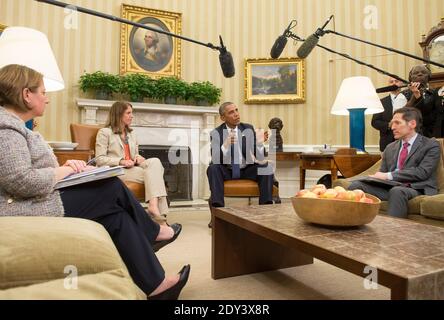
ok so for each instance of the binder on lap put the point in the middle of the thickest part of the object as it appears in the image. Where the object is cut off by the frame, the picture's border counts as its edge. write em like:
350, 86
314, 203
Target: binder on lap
88, 176
380, 182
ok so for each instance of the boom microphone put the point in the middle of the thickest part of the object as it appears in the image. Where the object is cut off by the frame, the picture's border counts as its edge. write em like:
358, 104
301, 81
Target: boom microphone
311, 42
226, 61
280, 43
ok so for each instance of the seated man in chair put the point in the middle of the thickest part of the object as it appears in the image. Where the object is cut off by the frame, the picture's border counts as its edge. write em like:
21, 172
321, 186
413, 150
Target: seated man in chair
411, 160
235, 154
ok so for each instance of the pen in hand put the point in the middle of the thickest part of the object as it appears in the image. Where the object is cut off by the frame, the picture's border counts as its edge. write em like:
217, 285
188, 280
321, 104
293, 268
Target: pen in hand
93, 160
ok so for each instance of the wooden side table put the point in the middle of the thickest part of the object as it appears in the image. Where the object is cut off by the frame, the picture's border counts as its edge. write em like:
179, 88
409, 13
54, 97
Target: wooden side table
77, 154
287, 156
316, 161
349, 165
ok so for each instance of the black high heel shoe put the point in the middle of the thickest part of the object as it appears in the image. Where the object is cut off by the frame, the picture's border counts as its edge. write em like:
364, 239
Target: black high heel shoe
157, 245
174, 292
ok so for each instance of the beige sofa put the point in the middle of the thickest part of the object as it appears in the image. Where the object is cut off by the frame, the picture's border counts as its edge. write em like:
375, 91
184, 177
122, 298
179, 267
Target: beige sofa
61, 258
425, 209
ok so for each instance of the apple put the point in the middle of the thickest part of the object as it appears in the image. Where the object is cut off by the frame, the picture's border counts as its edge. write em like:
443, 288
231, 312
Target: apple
342, 195
302, 192
329, 194
339, 189
351, 196
366, 200
318, 191
359, 194
309, 194
319, 186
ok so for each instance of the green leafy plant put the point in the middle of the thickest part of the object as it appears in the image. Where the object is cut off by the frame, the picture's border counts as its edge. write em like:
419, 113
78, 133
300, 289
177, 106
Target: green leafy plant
99, 81
138, 86
171, 87
204, 93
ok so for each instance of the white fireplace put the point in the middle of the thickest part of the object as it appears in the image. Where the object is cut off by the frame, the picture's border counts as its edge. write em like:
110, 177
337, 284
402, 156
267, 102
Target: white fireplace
166, 125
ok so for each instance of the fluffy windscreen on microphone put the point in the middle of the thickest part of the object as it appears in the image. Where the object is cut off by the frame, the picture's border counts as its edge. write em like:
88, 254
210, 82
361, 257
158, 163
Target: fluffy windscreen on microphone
278, 47
308, 45
226, 63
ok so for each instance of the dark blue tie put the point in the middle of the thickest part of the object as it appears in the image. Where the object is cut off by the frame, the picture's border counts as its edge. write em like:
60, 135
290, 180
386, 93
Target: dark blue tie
235, 166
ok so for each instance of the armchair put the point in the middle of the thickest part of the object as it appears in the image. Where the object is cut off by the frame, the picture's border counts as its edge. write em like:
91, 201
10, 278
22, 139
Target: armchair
426, 209
85, 135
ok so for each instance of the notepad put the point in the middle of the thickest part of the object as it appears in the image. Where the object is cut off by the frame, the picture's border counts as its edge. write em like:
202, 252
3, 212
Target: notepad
380, 182
88, 176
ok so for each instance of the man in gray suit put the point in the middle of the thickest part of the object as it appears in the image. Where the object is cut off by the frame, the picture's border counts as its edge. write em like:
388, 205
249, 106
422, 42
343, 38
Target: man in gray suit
411, 160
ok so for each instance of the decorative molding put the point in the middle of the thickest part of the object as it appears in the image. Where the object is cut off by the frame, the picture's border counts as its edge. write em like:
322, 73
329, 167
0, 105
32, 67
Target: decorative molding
316, 148
138, 106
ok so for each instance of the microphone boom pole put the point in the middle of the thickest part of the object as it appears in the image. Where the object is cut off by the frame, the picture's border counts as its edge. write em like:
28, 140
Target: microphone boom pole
386, 48
297, 38
221, 49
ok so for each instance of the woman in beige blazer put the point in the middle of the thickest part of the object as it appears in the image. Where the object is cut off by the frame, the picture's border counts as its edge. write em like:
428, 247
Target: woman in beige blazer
116, 144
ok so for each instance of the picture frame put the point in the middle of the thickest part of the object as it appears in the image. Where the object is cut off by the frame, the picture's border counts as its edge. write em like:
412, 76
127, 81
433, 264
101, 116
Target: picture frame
274, 81
2, 27
146, 51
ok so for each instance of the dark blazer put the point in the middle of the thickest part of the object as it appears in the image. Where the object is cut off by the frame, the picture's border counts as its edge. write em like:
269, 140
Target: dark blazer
420, 166
380, 121
428, 105
246, 138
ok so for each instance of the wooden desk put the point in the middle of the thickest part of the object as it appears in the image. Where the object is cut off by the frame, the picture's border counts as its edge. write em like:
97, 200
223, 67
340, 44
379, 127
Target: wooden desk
348, 165
78, 154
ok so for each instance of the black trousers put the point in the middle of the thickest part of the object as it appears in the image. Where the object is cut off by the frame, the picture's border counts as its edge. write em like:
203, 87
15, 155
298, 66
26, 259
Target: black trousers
111, 204
218, 173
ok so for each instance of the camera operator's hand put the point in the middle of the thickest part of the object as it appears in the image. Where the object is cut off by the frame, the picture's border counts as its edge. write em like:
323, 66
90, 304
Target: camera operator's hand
415, 88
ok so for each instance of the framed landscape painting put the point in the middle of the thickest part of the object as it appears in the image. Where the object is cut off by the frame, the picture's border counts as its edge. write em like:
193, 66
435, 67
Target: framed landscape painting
147, 51
274, 81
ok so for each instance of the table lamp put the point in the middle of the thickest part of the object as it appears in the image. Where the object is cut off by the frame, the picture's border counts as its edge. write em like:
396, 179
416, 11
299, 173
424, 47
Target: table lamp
29, 47
356, 98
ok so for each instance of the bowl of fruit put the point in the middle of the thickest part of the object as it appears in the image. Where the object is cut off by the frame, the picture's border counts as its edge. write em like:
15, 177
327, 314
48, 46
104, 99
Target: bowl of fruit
336, 206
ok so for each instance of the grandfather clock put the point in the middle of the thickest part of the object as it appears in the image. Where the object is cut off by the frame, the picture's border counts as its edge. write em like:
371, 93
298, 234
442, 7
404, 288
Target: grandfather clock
432, 45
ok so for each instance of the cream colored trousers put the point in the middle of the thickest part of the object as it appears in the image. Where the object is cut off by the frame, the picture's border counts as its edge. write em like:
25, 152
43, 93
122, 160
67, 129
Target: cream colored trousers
150, 173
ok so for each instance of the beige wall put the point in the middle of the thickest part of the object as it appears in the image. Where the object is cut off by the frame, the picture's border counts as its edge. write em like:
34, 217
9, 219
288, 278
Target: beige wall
249, 28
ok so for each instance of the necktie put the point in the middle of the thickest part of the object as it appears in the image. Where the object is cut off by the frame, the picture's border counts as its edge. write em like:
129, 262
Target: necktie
403, 155
235, 166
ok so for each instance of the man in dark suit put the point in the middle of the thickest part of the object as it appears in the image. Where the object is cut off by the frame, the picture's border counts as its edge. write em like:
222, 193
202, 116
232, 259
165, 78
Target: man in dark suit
381, 121
411, 160
235, 154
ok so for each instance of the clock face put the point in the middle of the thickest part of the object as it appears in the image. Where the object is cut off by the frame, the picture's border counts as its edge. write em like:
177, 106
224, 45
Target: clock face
436, 53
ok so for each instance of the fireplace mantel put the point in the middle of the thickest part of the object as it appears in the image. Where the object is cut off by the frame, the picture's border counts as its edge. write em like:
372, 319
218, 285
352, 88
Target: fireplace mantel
90, 106
166, 125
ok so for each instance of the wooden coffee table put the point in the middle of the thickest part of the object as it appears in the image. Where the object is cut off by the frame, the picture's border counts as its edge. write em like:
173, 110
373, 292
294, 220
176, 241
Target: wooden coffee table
407, 257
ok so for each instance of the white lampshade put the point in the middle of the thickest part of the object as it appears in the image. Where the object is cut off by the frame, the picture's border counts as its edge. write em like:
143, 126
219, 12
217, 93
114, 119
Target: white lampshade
29, 47
357, 93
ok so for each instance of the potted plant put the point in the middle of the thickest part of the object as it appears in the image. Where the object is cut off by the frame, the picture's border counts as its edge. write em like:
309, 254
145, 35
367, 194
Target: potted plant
103, 84
138, 86
204, 93
170, 89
